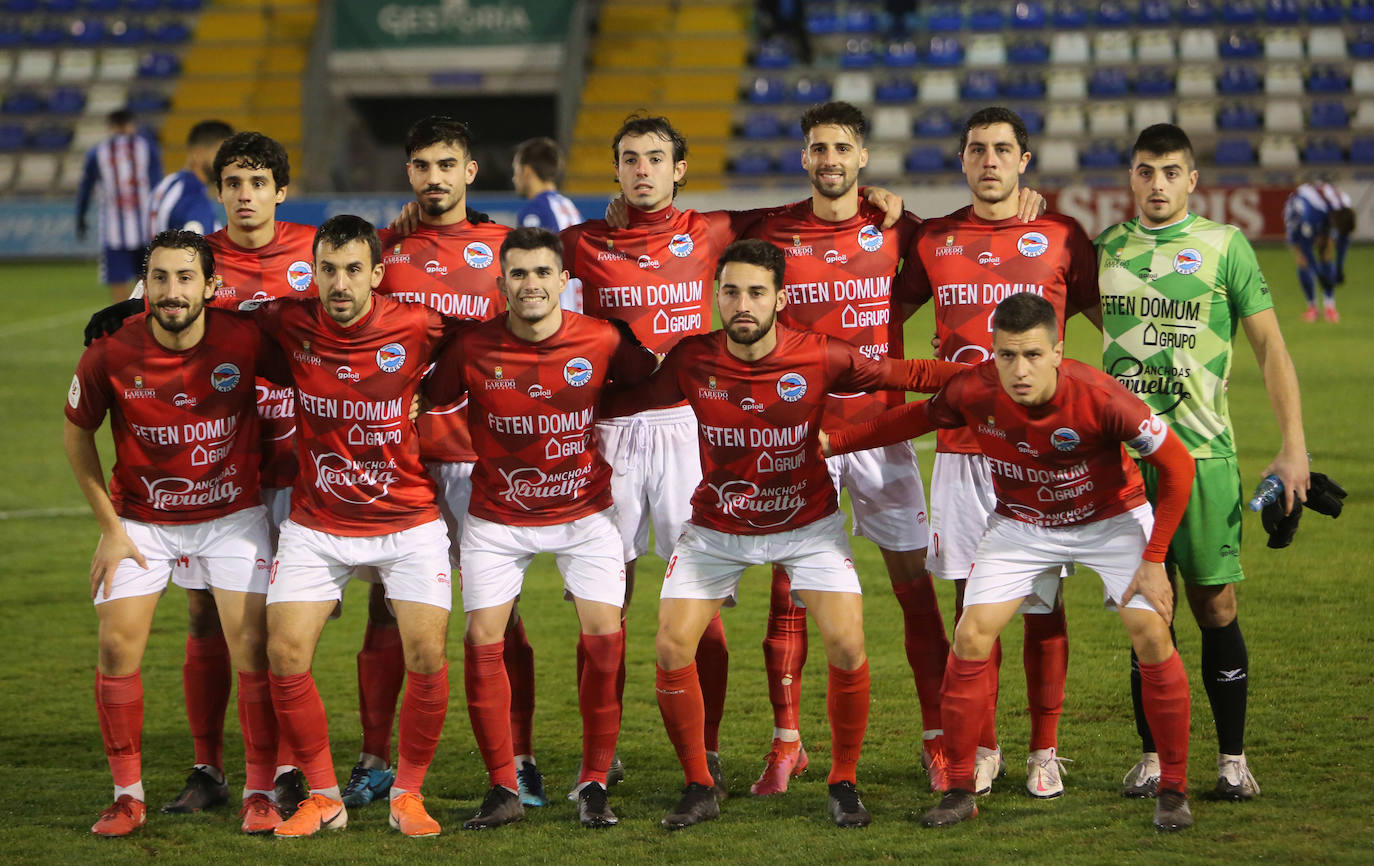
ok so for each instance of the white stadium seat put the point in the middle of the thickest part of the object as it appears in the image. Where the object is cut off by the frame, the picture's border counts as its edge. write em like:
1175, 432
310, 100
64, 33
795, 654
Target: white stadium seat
1364, 115
1278, 151
1112, 47
1107, 119
37, 173
986, 50
1195, 81
1283, 79
101, 99
1154, 47
1199, 118
1148, 112
1326, 43
69, 176
89, 132
885, 161
1283, 115
855, 88
1067, 84
117, 64
1069, 48
9, 164
937, 87
1283, 45
34, 66
1057, 156
76, 65
1199, 45
1362, 78
891, 123
1064, 121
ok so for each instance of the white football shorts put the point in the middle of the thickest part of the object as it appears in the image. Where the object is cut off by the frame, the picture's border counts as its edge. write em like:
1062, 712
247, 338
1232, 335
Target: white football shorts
315, 566
454, 482
656, 465
707, 563
587, 551
1016, 560
189, 574
885, 493
230, 552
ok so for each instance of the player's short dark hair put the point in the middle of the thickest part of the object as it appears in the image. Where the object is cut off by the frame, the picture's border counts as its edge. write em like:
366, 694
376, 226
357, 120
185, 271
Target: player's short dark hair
542, 156
341, 230
996, 114
1342, 220
253, 150
754, 252
644, 124
1023, 311
175, 239
531, 238
208, 132
120, 117
1163, 138
835, 114
438, 129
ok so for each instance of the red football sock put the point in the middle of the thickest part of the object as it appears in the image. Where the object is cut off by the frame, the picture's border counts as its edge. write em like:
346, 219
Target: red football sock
1046, 657
422, 721
1168, 708
381, 672
713, 671
119, 704
987, 737
301, 721
926, 644
597, 702
620, 672
258, 722
519, 659
680, 703
205, 678
488, 693
962, 711
784, 652
846, 705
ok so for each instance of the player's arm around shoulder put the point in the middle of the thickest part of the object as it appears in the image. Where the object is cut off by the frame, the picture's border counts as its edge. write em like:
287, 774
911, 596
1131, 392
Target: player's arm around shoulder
631, 361
659, 390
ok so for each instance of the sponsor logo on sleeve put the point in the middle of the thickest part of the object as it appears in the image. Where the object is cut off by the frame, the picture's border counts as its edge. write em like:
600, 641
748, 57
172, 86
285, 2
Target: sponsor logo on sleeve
1153, 432
299, 274
577, 372
477, 255
74, 393
1187, 261
681, 246
1065, 439
791, 386
870, 239
1032, 244
391, 357
225, 377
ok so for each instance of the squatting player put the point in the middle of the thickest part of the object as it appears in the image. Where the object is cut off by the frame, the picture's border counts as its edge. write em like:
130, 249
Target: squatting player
1051, 431
1319, 220
177, 383
533, 377
965, 263
758, 390
1174, 286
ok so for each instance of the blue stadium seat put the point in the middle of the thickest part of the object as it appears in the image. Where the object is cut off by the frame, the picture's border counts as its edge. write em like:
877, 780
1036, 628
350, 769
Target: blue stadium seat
1237, 45
899, 88
59, 7
1362, 150
1107, 83
1323, 151
767, 90
979, 85
1324, 12
23, 102
1031, 116
1238, 79
1028, 15
46, 35
945, 51
936, 122
1282, 11
1327, 79
901, 54
1069, 15
773, 54
127, 33
142, 6
50, 137
67, 100
185, 5
19, 7
1193, 13
1328, 114
858, 54
1024, 85
1361, 44
761, 125
925, 159
810, 90
945, 18
11, 136
1029, 50
148, 101
102, 5
1155, 13
1237, 117
753, 163
1239, 12
1234, 151
985, 19
88, 32
159, 64
859, 19
11, 36
1113, 13
1102, 153
1154, 81
822, 23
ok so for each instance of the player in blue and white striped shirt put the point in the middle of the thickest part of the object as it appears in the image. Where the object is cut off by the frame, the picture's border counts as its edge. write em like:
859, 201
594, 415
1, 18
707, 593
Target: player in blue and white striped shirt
1319, 220
537, 167
123, 167
182, 201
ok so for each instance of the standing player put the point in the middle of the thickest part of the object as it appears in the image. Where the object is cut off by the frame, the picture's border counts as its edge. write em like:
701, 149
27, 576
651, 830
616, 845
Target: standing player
966, 263
1319, 220
536, 170
1174, 287
182, 200
533, 378
758, 391
1051, 432
122, 170
176, 382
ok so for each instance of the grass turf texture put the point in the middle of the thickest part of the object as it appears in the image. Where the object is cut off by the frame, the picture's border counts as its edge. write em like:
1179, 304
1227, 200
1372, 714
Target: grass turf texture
1307, 631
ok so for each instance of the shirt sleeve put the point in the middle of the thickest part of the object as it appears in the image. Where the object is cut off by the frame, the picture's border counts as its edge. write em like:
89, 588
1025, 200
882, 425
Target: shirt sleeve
90, 396
659, 391
853, 371
1176, 470
912, 285
446, 383
1081, 283
1246, 289
895, 425
631, 363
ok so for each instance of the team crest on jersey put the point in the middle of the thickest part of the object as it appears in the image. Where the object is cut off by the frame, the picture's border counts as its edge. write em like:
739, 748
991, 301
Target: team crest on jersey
870, 239
791, 386
498, 372
711, 382
391, 357
477, 255
225, 377
1032, 244
219, 282
1065, 439
681, 246
74, 393
577, 372
1187, 261
138, 381
299, 274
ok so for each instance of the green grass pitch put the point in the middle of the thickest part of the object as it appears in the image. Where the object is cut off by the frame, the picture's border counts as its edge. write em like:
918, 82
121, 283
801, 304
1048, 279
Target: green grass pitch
1306, 610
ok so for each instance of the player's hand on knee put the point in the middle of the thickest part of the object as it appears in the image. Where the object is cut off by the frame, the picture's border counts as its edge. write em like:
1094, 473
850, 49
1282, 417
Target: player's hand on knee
1151, 581
887, 201
114, 547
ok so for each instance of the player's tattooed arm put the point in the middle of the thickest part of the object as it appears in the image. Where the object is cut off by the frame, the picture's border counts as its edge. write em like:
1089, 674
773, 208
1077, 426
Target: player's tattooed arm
115, 544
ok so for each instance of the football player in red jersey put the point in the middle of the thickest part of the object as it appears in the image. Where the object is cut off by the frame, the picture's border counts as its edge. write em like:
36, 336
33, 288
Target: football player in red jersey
965, 263
533, 377
1051, 431
177, 383
758, 390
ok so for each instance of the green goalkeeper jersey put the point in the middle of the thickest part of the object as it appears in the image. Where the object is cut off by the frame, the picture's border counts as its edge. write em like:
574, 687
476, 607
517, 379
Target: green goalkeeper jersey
1171, 300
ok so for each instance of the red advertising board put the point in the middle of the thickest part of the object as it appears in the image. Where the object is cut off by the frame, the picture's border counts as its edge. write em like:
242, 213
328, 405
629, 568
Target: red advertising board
1256, 210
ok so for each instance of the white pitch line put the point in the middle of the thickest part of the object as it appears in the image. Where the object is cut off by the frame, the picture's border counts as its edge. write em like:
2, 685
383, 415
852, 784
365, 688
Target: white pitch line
43, 324
33, 513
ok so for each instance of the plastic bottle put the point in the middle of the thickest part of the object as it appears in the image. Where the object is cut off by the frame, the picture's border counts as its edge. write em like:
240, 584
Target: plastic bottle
1269, 490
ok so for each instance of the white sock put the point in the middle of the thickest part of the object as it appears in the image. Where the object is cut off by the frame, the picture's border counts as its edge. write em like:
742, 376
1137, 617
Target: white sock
283, 768
135, 790
931, 734
331, 792
787, 735
521, 760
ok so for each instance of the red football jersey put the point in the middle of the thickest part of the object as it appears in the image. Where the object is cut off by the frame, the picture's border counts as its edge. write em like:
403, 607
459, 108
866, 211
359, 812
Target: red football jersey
968, 265
757, 423
452, 270
360, 472
657, 274
531, 407
184, 427
839, 283
281, 268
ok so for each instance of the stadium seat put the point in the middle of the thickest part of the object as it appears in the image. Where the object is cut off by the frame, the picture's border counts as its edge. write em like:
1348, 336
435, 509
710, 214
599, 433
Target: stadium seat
1234, 151
1070, 15
1024, 85
1107, 119
858, 19
944, 51
1199, 118
8, 165
822, 22
1111, 46
1031, 116
1195, 81
1154, 81
1328, 114
89, 132
945, 18
752, 163
1108, 83
1102, 153
12, 136
50, 137
761, 125
1237, 45
1326, 43
34, 65
900, 55
159, 64
67, 100
59, 7
1239, 80
1064, 121
37, 172
1283, 45
1364, 115
1324, 12
1283, 115
88, 32
808, 91
984, 18
101, 99
1057, 156
854, 87
1322, 151
69, 173
117, 64
937, 87
935, 122
1327, 79
1282, 12
45, 35
1198, 45
142, 5
1362, 79
986, 50
1154, 47
1361, 153
1196, 13
979, 86
102, 6
22, 102
1154, 13
1067, 85
766, 90
1278, 151
858, 54
891, 123
1113, 13
1028, 15
1028, 50
1239, 12
1069, 48
1148, 112
898, 88
128, 33
6, 66
925, 159
76, 65
1362, 11
884, 162
1238, 117
1283, 79
773, 54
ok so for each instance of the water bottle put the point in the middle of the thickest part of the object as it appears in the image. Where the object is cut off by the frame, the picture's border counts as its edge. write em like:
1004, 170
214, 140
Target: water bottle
1269, 490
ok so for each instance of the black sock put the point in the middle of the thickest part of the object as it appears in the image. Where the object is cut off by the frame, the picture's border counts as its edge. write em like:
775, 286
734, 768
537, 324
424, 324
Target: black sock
1226, 674
1142, 727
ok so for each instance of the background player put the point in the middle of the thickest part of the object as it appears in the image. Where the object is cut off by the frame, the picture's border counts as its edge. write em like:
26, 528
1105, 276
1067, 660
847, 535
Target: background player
1174, 286
1061, 430
535, 171
1319, 220
121, 171
966, 263
182, 200
533, 377
177, 384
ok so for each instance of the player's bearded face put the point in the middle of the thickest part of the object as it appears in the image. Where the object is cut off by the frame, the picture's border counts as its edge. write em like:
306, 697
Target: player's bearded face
176, 287
646, 171
993, 162
748, 301
1161, 184
1028, 364
832, 159
439, 176
533, 281
346, 276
